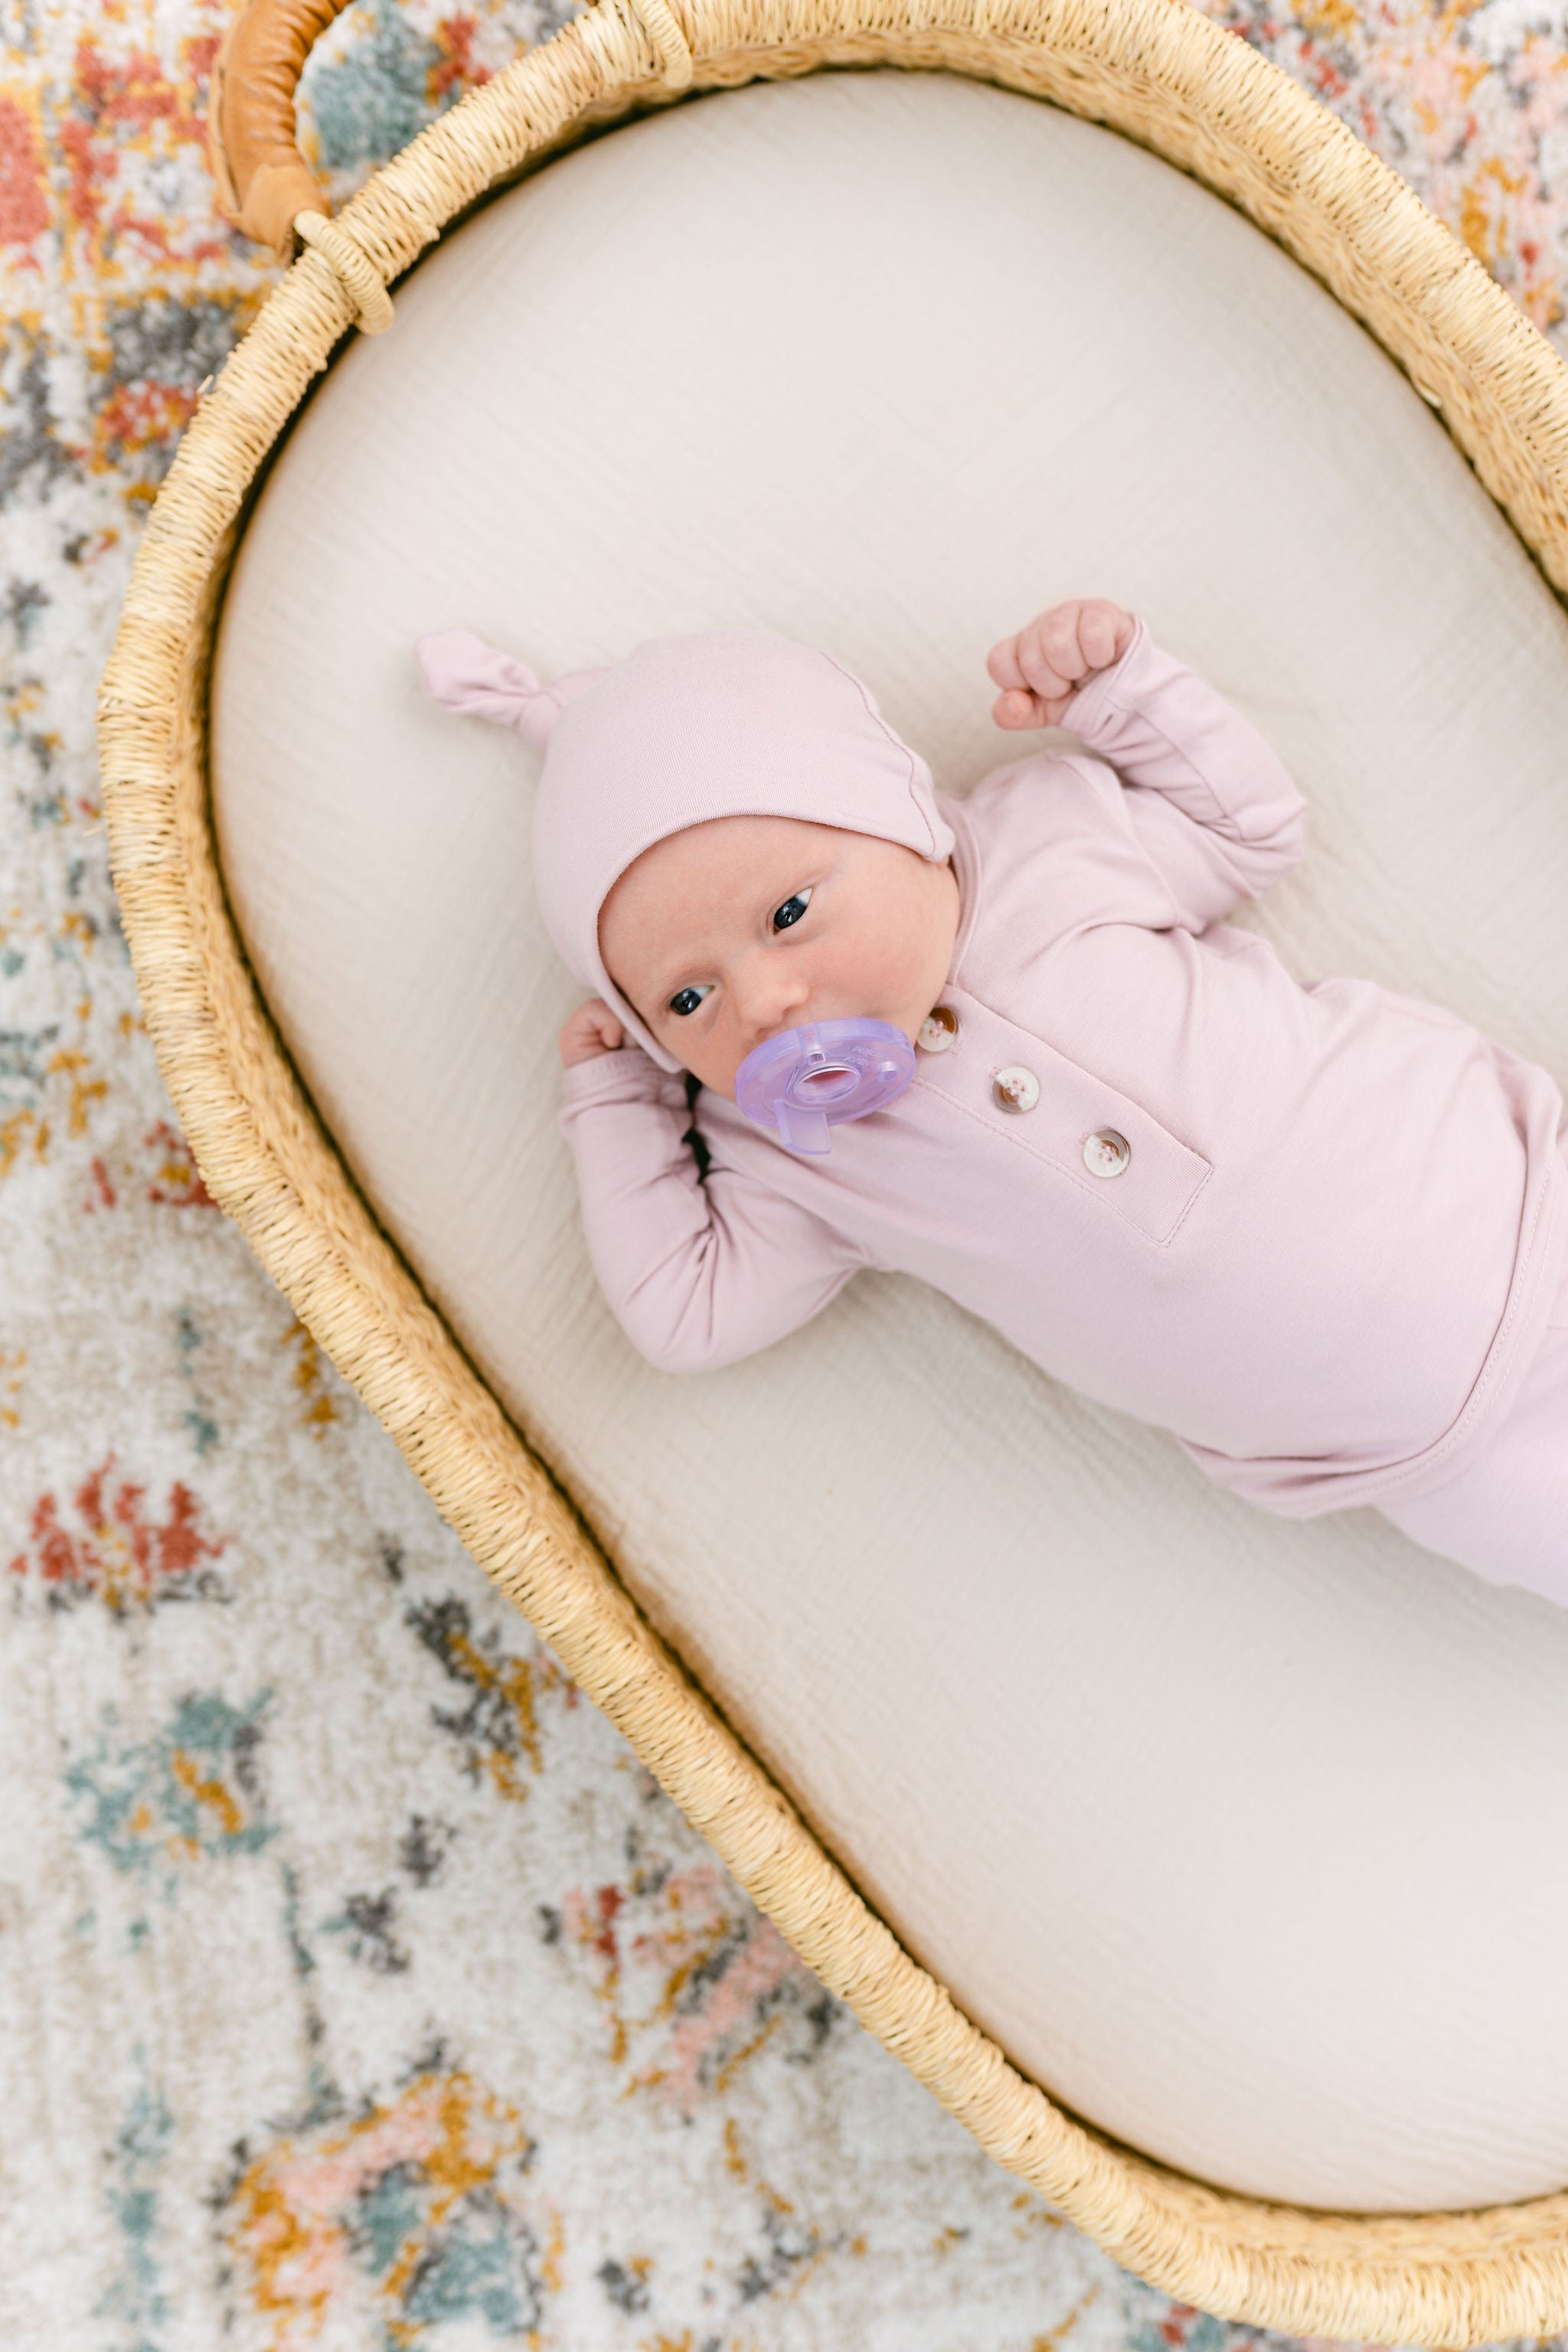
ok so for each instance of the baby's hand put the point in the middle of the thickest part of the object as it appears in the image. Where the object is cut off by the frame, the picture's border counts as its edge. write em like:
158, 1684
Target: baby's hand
592, 1030
1043, 667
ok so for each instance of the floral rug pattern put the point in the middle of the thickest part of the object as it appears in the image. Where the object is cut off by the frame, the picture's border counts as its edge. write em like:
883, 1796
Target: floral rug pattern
361, 1993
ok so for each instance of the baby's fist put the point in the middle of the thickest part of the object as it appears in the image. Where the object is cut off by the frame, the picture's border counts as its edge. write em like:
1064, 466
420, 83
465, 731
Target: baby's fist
1043, 667
592, 1030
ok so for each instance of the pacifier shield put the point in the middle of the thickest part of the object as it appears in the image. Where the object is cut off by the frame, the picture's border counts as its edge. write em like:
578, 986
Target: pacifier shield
805, 1080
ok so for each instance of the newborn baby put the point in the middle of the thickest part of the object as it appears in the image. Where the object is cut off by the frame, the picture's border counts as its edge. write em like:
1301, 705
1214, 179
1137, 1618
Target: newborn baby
1312, 1230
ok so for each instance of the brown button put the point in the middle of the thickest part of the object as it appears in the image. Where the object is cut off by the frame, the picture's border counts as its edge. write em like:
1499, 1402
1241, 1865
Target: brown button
1106, 1153
1015, 1088
938, 1031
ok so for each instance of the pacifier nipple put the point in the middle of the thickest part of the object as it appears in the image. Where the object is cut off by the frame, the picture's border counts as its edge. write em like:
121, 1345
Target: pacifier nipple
809, 1079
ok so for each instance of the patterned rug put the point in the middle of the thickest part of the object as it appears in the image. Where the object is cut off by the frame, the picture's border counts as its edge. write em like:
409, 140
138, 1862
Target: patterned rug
361, 1993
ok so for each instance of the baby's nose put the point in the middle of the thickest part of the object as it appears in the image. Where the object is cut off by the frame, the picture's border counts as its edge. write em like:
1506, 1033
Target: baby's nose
776, 999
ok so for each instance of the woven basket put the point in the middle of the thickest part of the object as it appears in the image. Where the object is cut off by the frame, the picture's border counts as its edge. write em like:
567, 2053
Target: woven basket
1166, 76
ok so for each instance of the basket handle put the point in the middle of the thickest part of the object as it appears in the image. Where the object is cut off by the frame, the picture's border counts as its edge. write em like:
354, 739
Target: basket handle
264, 184
263, 181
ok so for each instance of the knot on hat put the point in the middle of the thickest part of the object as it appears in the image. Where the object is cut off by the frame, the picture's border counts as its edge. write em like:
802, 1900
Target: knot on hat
463, 673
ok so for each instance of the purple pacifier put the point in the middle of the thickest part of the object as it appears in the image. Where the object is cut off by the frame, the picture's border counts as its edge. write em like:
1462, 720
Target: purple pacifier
805, 1080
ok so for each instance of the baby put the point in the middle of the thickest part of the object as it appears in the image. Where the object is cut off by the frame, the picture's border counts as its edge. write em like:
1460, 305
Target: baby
1314, 1230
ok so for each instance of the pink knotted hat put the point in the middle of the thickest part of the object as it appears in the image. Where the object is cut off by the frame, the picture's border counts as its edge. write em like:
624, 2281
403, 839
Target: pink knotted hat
724, 722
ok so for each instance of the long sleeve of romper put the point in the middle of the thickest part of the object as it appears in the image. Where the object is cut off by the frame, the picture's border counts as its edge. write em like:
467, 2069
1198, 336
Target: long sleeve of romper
700, 1270
1210, 801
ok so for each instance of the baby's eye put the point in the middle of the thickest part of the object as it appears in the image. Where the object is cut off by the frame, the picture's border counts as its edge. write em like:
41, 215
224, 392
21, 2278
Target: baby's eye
688, 999
792, 910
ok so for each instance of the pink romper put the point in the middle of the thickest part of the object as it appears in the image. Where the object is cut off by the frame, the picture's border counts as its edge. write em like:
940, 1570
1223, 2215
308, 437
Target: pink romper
1314, 1230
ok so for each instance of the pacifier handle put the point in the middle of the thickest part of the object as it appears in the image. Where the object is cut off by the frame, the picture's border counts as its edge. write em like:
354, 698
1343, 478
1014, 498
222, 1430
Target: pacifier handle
802, 1129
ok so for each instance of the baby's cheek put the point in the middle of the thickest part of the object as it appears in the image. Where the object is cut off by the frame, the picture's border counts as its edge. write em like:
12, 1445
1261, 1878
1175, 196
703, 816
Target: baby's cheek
878, 974
712, 1059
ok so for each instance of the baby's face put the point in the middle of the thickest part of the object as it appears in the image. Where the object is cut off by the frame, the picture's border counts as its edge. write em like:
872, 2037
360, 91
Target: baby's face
725, 934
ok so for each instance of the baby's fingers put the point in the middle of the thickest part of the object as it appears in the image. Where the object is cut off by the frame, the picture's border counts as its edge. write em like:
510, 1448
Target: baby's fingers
1001, 661
591, 1030
607, 1027
1100, 631
1049, 655
1017, 707
1023, 665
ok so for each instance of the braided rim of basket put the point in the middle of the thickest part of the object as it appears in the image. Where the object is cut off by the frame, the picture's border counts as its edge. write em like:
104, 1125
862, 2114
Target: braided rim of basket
1166, 76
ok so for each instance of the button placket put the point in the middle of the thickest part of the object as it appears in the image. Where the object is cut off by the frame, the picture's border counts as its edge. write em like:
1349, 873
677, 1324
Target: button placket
1067, 1116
